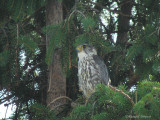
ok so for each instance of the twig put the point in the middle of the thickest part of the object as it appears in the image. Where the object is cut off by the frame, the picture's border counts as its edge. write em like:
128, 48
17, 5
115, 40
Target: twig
127, 96
32, 15
33, 68
70, 62
58, 98
87, 101
6, 112
17, 52
93, 107
3, 100
6, 37
76, 11
152, 33
58, 106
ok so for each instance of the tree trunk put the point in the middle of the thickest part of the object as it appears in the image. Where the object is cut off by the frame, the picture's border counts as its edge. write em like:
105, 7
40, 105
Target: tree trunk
56, 77
122, 39
123, 29
123, 21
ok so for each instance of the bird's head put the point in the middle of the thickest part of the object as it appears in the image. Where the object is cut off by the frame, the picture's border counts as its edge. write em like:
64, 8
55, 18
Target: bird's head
85, 50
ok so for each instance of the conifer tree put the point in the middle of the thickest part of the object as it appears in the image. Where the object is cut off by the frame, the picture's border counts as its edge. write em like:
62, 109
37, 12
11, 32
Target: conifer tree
126, 35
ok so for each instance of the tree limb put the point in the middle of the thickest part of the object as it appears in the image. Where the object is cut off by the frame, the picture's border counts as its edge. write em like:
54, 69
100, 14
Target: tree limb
127, 96
58, 98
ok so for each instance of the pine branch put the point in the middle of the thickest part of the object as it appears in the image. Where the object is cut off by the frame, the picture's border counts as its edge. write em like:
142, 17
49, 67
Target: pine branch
3, 100
30, 17
127, 96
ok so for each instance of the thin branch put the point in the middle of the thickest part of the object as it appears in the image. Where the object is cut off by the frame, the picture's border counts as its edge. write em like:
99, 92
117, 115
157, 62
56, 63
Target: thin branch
39, 31
6, 37
3, 100
28, 111
152, 33
28, 19
33, 68
76, 11
58, 106
127, 96
69, 57
58, 98
125, 2
3, 93
87, 101
6, 112
17, 52
93, 106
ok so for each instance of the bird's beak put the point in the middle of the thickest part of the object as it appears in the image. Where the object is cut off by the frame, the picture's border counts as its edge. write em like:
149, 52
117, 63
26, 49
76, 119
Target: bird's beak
79, 48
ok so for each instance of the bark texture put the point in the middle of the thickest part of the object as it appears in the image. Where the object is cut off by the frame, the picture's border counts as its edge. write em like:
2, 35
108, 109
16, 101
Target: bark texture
123, 21
56, 77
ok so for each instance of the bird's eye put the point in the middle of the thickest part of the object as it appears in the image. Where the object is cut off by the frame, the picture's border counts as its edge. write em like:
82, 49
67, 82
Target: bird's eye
84, 46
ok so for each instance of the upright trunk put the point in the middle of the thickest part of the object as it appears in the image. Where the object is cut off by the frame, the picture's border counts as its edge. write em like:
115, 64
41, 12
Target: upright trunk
123, 21
56, 77
122, 40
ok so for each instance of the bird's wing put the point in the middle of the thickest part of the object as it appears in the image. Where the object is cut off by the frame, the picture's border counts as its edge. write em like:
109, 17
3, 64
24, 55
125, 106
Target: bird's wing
102, 69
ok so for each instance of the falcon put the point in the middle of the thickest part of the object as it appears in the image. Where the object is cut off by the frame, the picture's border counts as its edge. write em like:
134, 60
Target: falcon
91, 69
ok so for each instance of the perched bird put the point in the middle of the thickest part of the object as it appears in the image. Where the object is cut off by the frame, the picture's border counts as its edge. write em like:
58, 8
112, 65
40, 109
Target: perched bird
91, 69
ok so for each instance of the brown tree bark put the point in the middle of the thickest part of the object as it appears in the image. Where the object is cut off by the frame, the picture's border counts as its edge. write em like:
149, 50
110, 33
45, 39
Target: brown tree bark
123, 21
123, 36
122, 40
56, 77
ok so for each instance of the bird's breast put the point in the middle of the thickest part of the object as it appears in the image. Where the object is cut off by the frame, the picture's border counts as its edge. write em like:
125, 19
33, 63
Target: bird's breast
88, 74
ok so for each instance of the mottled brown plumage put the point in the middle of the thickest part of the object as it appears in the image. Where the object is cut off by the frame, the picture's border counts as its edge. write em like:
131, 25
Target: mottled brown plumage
91, 69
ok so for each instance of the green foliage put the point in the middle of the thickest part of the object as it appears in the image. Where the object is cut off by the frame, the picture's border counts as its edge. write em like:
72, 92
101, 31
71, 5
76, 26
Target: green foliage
28, 43
20, 55
59, 0
22, 9
57, 35
81, 113
106, 103
115, 100
3, 58
134, 51
156, 66
144, 52
147, 87
40, 112
101, 116
149, 100
148, 106
88, 24
81, 39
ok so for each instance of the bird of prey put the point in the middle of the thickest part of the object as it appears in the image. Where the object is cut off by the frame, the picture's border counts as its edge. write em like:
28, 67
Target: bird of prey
91, 69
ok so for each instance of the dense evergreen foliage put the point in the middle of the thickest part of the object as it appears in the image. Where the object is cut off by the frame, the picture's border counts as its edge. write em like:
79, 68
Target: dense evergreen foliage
126, 35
